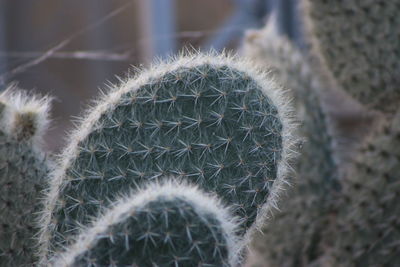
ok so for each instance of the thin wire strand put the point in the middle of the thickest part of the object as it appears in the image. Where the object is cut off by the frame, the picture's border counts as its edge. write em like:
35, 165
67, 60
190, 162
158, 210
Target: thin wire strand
23, 67
101, 55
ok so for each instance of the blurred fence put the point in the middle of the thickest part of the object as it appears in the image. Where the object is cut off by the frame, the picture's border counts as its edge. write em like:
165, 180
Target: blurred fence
70, 48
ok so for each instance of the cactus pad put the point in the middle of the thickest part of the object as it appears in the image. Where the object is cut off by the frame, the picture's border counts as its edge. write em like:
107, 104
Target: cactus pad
211, 120
163, 225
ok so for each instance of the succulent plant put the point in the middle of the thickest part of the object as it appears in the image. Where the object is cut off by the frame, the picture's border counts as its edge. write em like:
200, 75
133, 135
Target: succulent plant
338, 215
166, 224
367, 231
210, 119
358, 41
292, 237
123, 190
23, 170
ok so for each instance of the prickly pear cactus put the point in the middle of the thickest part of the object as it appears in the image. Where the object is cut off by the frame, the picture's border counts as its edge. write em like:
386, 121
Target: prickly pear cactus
210, 119
368, 223
358, 40
164, 225
292, 237
23, 171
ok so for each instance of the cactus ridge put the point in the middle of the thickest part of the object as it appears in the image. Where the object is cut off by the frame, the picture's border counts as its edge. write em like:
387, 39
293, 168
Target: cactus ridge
23, 171
163, 225
208, 119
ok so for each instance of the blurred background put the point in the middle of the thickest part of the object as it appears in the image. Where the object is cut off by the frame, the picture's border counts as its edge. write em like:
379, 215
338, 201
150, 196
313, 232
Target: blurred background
70, 49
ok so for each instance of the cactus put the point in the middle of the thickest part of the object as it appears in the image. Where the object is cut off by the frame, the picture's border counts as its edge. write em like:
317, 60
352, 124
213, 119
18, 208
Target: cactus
368, 225
210, 119
163, 225
292, 237
358, 41
23, 169
218, 122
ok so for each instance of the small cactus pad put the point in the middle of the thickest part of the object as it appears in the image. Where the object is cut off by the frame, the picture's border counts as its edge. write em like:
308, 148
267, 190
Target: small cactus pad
211, 120
163, 225
368, 223
359, 42
23, 169
292, 236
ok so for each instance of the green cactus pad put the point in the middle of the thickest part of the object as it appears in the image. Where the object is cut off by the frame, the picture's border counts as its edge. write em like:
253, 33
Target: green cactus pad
163, 225
368, 223
23, 171
211, 120
292, 237
359, 42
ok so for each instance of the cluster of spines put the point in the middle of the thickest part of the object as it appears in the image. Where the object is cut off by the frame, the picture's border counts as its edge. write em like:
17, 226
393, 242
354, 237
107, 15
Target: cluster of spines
211, 120
23, 171
24, 117
169, 224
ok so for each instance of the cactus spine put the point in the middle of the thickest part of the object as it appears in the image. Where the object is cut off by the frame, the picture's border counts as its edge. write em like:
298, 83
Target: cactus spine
163, 225
23, 171
210, 119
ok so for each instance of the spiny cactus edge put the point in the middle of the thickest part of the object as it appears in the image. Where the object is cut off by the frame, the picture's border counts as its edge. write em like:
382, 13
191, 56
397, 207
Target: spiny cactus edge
168, 224
23, 171
211, 119
292, 235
